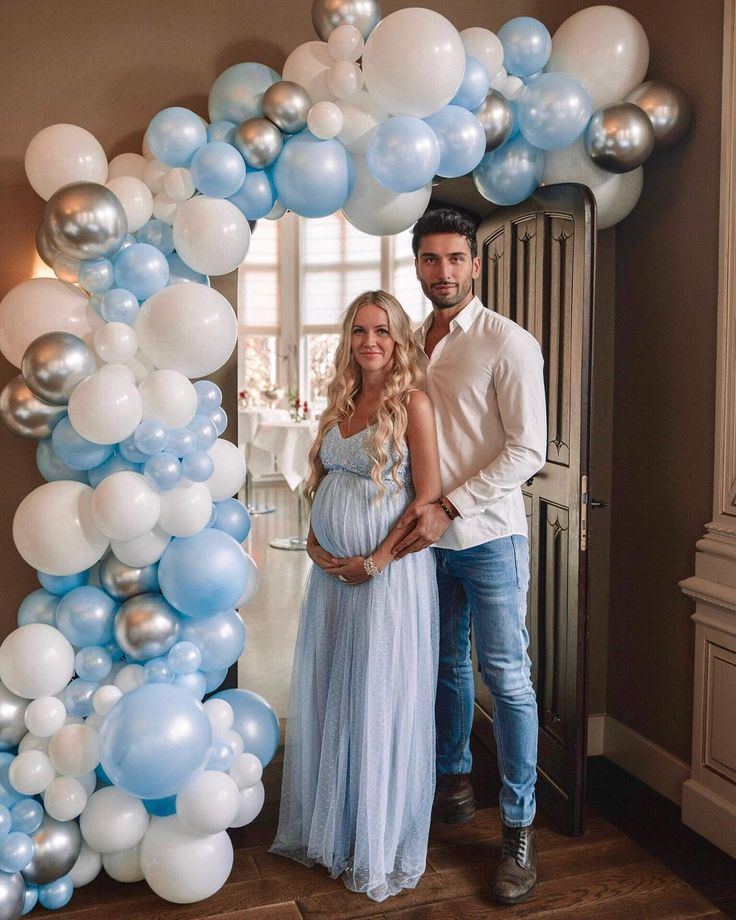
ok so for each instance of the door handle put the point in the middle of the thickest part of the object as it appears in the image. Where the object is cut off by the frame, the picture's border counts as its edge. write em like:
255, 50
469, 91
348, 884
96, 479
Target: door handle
597, 503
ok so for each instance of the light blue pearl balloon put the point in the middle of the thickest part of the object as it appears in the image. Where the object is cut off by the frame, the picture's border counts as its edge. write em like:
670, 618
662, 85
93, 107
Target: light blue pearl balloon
115, 652
157, 233
204, 432
155, 740
221, 131
553, 111
142, 270
52, 467
204, 574
130, 452
197, 466
184, 657
150, 437
61, 584
221, 755
8, 795
218, 170
93, 663
175, 135
255, 722
163, 471
74, 450
474, 88
6, 820
181, 273
115, 463
219, 420
313, 177
233, 518
96, 276
77, 697
158, 671
403, 153
30, 899
527, 45
38, 607
257, 194
181, 441
119, 306
219, 638
461, 138
194, 683
237, 94
16, 851
27, 815
511, 173
214, 679
209, 396
86, 616
56, 894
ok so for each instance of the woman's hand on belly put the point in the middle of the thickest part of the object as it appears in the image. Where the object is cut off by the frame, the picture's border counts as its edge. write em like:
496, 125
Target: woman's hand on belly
349, 570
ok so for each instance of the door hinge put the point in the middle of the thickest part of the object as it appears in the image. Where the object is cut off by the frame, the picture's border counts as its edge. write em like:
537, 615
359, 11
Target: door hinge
584, 513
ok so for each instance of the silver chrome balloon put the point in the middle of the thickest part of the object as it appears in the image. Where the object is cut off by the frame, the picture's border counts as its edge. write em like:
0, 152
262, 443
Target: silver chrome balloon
12, 719
146, 626
57, 845
287, 105
259, 141
496, 119
12, 895
619, 137
54, 363
85, 220
123, 581
327, 15
668, 108
25, 414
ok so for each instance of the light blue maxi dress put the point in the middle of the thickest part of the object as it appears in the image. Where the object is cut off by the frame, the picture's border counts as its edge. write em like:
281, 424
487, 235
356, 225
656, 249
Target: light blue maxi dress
359, 765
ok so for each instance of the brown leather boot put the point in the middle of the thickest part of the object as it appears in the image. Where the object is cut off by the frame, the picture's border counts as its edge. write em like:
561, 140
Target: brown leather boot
454, 799
517, 873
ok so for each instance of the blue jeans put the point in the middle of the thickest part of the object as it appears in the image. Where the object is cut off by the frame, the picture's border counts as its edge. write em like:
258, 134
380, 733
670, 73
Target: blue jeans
489, 582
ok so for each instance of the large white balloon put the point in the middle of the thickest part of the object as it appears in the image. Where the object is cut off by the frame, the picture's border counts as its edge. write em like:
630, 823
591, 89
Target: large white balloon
183, 867
617, 197
143, 550
54, 529
113, 820
375, 209
603, 47
208, 804
36, 660
124, 866
485, 46
42, 305
87, 867
360, 115
189, 328
136, 199
125, 506
106, 407
211, 235
413, 62
250, 803
185, 509
308, 65
169, 398
229, 472
60, 154
74, 750
126, 164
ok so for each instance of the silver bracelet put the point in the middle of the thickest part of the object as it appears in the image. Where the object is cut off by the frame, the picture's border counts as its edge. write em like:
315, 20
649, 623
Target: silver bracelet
370, 567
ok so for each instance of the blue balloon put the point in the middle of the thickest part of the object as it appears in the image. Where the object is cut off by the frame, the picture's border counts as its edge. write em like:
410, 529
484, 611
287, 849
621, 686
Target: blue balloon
155, 740
56, 894
6, 820
52, 468
130, 452
221, 131
194, 683
527, 45
141, 269
474, 88
233, 518
38, 607
403, 153
157, 233
119, 306
219, 638
219, 420
511, 173
31, 898
181, 273
74, 450
204, 574
77, 697
115, 463
204, 431
27, 815
184, 657
461, 138
221, 755
257, 194
181, 441
174, 136
86, 616
255, 722
96, 276
150, 437
218, 169
163, 471
312, 177
553, 111
61, 584
237, 94
8, 795
93, 663
16, 851
214, 679
197, 466
209, 396
161, 807
158, 671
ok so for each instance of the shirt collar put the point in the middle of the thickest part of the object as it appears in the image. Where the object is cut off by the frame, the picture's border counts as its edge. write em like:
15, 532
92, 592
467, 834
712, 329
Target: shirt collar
465, 319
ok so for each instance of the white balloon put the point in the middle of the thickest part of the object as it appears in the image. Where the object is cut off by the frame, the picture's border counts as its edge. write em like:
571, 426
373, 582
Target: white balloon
345, 43
88, 781
178, 184
42, 305
113, 820
208, 804
124, 866
308, 65
617, 197
169, 398
165, 208
142, 551
233, 739
485, 46
154, 174
572, 164
603, 47
126, 164
360, 115
251, 582
106, 407
136, 199
116, 343
87, 867
512, 88
105, 698
74, 750
229, 473
60, 154
185, 509
31, 742
250, 803
189, 328
184, 867
130, 677
54, 530
247, 770
499, 81
211, 235
375, 209
344, 79
141, 366
36, 660
45, 715
221, 715
413, 62
31, 772
65, 798
325, 120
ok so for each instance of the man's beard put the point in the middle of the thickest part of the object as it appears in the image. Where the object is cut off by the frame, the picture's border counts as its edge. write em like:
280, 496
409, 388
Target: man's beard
449, 300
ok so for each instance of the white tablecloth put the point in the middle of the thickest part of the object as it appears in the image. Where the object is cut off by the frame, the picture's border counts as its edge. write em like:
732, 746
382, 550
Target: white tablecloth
289, 442
258, 462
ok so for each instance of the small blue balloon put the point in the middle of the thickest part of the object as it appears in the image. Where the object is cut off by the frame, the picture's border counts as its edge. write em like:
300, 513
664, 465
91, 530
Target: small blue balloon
184, 657
27, 815
61, 584
181, 441
8, 795
93, 663
219, 420
115, 463
203, 574
38, 607
511, 173
150, 437
86, 616
162, 808
214, 679
461, 138
403, 153
6, 820
527, 45
181, 273
96, 277
158, 671
233, 518
52, 467
157, 233
113, 650
474, 88
219, 638
218, 169
77, 697
256, 196
237, 94
163, 471
553, 111
174, 136
16, 851
204, 431
142, 270
221, 755
313, 177
130, 452
197, 466
119, 306
31, 898
255, 722
209, 396
76, 451
56, 894
221, 131
194, 683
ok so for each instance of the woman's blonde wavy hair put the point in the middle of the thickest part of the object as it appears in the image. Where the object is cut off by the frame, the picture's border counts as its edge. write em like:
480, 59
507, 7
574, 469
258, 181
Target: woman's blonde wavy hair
345, 386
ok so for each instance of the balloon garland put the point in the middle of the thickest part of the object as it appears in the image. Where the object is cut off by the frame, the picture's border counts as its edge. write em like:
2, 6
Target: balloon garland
108, 757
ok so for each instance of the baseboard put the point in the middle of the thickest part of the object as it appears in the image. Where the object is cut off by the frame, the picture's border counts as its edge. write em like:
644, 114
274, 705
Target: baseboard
711, 816
644, 759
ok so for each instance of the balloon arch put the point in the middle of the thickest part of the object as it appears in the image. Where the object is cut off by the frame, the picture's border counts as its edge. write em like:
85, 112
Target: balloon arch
108, 756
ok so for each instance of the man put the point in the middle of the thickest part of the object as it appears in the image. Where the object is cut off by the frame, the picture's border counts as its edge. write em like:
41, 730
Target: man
484, 375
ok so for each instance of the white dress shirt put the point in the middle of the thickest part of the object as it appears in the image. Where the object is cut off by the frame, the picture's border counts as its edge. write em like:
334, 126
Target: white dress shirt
485, 381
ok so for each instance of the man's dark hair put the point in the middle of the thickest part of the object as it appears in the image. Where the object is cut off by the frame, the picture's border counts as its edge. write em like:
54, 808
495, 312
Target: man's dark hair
444, 220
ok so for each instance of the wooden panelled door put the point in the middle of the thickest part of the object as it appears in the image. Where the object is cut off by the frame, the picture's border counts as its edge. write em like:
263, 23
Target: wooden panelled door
537, 268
